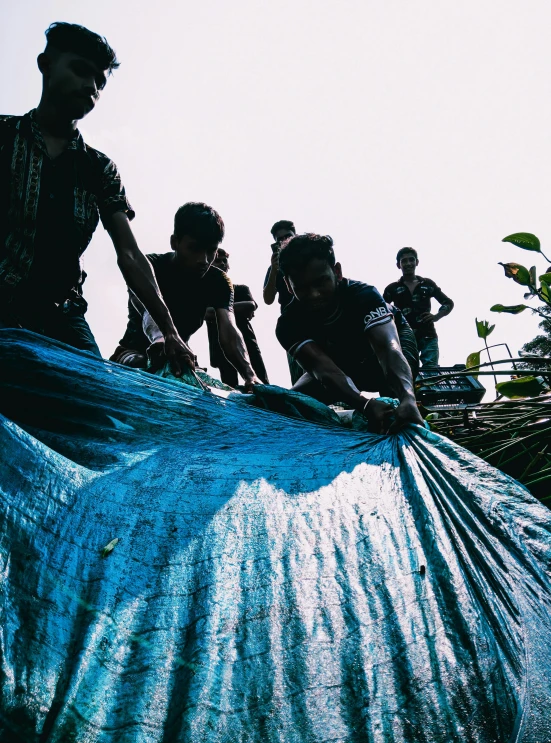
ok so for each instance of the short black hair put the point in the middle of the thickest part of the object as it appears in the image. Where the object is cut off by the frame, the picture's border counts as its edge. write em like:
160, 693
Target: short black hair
299, 250
222, 253
200, 221
402, 252
70, 37
283, 224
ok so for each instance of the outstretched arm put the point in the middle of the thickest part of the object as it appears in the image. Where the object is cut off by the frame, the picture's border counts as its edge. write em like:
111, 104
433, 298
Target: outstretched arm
386, 345
233, 346
140, 278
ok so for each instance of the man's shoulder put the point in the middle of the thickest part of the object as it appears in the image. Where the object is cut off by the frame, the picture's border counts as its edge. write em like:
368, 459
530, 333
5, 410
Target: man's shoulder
354, 291
216, 277
9, 120
9, 125
98, 157
392, 287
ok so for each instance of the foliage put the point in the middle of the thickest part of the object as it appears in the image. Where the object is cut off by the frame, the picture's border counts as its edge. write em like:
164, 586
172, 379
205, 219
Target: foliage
483, 328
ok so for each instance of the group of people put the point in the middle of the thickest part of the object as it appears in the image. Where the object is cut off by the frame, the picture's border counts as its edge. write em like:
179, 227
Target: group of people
344, 340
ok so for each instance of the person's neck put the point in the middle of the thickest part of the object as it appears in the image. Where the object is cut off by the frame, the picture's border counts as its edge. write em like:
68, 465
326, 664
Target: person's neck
409, 278
52, 123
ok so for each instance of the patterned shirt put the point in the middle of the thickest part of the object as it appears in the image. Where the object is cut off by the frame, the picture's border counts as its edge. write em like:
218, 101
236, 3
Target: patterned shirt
413, 305
49, 209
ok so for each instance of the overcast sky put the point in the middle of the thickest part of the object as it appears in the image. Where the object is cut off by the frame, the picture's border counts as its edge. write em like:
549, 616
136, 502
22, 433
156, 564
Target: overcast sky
382, 123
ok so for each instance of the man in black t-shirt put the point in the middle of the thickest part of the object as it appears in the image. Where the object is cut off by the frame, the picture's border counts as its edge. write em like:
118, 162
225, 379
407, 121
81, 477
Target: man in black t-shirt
189, 285
244, 307
343, 334
412, 294
54, 189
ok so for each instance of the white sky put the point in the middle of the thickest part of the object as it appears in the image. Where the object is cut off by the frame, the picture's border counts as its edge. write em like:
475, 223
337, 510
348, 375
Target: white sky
381, 123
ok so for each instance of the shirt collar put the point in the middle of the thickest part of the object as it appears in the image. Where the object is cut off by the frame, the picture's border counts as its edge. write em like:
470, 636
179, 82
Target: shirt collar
75, 143
420, 279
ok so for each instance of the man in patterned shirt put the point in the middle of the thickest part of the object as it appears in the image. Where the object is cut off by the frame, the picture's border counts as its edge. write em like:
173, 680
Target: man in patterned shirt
413, 294
343, 335
54, 188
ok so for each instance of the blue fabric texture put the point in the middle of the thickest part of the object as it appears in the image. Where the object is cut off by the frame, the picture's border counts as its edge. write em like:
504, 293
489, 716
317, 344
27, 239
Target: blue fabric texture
178, 567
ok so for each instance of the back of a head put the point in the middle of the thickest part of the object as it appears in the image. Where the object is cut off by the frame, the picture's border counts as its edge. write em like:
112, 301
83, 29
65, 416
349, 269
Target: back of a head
298, 251
405, 251
283, 224
199, 221
70, 37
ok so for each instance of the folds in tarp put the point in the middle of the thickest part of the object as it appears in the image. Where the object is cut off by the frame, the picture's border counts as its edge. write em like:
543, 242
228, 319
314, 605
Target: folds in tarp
274, 580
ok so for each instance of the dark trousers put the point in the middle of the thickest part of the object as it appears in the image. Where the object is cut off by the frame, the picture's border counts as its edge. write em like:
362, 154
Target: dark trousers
65, 323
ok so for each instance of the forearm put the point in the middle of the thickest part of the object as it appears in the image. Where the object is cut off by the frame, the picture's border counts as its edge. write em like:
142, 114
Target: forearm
233, 346
341, 387
140, 278
397, 372
151, 329
244, 309
270, 291
443, 310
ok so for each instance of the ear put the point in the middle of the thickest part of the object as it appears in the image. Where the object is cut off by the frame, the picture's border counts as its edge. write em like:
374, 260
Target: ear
173, 242
337, 270
44, 63
417, 261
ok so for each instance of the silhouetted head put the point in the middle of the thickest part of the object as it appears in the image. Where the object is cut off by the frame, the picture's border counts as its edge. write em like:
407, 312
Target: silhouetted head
222, 260
312, 275
74, 66
407, 260
283, 230
198, 231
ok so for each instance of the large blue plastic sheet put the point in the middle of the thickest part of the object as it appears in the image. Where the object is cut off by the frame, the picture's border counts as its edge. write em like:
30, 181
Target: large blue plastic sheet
274, 580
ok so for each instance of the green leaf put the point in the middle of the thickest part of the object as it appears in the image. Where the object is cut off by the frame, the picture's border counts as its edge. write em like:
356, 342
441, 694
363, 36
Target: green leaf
512, 309
546, 291
518, 273
109, 547
483, 328
432, 417
533, 276
546, 277
473, 359
522, 387
524, 240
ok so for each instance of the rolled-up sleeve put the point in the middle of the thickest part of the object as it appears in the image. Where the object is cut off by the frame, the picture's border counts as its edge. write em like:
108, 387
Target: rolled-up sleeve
113, 195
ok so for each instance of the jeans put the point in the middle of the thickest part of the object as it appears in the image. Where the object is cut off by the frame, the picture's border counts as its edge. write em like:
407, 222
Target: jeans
63, 323
428, 351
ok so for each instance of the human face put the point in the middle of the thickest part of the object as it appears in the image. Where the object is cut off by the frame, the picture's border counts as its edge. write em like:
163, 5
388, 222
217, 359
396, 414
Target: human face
281, 235
316, 285
72, 83
221, 262
408, 264
193, 255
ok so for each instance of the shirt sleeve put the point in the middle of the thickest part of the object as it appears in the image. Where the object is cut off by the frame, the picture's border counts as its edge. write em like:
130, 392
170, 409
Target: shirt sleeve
221, 294
439, 295
112, 197
293, 332
242, 293
373, 308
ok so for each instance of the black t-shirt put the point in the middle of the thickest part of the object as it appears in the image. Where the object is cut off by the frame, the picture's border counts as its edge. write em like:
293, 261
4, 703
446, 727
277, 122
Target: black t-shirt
186, 296
413, 305
341, 332
284, 296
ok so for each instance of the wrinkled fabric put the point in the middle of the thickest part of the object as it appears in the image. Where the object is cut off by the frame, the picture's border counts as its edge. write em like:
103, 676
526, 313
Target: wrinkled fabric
274, 580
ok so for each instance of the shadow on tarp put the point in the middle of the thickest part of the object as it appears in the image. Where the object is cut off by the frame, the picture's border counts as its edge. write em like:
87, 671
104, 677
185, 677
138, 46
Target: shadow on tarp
274, 580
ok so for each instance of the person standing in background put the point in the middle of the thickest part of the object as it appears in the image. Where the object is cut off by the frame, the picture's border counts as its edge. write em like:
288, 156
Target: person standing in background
274, 283
244, 307
412, 294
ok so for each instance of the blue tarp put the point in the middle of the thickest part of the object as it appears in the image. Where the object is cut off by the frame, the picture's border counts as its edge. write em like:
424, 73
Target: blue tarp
274, 580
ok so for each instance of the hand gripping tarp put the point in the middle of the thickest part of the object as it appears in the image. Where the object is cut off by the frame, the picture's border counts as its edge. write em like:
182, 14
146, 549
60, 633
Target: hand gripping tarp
274, 580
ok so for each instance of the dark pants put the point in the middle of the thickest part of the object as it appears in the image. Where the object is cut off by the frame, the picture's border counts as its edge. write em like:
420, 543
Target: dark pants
429, 352
65, 323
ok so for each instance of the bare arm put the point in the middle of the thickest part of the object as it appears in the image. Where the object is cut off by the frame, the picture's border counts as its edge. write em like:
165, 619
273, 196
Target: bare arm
314, 359
233, 346
386, 345
270, 290
140, 278
245, 309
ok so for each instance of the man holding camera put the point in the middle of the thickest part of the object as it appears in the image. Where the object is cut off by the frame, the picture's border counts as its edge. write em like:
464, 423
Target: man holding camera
274, 283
